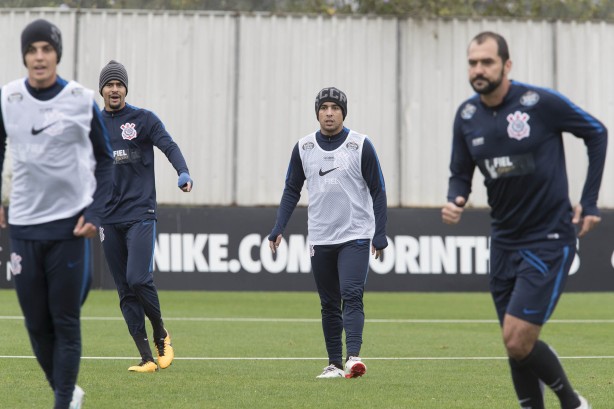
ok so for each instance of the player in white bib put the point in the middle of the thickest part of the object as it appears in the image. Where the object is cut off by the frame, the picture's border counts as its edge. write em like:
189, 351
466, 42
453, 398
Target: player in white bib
61, 177
346, 219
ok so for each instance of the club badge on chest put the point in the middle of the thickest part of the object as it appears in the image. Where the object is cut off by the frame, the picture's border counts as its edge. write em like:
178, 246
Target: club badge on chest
518, 125
128, 131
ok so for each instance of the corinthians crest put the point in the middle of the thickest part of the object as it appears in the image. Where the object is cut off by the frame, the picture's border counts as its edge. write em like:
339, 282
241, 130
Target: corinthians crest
518, 127
128, 131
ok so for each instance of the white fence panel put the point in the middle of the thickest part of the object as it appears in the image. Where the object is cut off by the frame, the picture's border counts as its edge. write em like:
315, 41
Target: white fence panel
585, 67
284, 62
181, 67
236, 91
435, 82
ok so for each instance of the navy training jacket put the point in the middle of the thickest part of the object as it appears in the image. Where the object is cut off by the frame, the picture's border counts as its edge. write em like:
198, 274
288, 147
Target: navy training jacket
133, 133
518, 147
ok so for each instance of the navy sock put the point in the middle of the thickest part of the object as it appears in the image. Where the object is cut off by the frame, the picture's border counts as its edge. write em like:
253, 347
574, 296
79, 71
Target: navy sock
526, 384
158, 329
351, 354
337, 364
142, 344
546, 365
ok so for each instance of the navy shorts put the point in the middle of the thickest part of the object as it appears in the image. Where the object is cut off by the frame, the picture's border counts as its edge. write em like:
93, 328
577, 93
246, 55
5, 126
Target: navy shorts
528, 283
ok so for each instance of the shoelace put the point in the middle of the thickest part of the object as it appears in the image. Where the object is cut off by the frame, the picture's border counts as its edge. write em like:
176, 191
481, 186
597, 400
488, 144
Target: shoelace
330, 368
160, 345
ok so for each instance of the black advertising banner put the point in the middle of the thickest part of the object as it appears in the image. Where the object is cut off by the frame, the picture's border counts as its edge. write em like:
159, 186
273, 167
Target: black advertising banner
226, 248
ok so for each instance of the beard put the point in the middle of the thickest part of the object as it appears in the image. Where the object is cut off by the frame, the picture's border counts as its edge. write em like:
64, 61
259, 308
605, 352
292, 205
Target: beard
115, 105
490, 85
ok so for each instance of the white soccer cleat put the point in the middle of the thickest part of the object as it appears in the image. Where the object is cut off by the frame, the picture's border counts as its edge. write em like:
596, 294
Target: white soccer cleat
77, 398
583, 403
354, 367
331, 371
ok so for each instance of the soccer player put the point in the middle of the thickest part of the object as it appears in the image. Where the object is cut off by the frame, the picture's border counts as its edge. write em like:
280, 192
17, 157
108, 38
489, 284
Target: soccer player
347, 209
61, 177
129, 227
513, 133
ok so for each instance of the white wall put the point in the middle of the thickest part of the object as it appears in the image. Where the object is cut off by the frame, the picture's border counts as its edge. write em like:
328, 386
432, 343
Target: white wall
236, 91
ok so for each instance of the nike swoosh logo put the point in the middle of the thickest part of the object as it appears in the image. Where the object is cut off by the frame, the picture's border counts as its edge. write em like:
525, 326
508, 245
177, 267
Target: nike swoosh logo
328, 171
530, 312
37, 131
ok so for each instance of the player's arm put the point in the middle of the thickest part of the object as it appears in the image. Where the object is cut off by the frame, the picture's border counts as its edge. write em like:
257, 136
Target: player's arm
2, 152
88, 223
163, 141
295, 178
461, 175
372, 173
593, 132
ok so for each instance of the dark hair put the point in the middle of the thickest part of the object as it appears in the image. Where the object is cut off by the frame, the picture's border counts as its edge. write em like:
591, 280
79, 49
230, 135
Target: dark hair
503, 51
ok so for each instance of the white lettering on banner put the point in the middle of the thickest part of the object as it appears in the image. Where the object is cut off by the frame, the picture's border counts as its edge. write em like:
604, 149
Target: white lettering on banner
275, 264
176, 256
299, 259
575, 264
482, 255
245, 253
209, 253
407, 253
162, 252
193, 257
434, 255
218, 253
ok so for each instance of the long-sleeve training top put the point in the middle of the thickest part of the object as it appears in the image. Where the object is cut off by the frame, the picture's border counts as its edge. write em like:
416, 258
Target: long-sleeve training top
518, 147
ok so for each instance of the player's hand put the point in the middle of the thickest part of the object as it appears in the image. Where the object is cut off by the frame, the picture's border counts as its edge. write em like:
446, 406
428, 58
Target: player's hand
185, 182
378, 253
586, 223
274, 244
451, 213
83, 229
2, 218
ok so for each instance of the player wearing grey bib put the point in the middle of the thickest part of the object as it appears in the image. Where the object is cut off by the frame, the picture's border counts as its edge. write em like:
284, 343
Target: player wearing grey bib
347, 212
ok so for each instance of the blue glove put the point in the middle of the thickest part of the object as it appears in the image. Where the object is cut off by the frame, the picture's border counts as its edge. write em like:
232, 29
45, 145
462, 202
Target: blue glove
184, 179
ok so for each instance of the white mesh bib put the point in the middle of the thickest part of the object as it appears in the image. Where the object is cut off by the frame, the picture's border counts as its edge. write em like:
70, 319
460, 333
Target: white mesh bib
53, 159
340, 205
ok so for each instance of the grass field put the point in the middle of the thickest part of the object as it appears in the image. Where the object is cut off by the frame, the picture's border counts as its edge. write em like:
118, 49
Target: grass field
263, 350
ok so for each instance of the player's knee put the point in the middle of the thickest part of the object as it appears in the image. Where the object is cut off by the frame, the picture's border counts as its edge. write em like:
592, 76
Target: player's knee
517, 348
352, 295
139, 285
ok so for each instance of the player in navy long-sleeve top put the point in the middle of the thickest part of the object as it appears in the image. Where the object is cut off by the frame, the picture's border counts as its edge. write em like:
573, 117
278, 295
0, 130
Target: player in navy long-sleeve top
129, 228
61, 178
513, 133
347, 212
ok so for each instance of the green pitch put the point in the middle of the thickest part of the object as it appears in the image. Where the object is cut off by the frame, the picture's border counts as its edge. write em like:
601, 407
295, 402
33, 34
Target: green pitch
264, 350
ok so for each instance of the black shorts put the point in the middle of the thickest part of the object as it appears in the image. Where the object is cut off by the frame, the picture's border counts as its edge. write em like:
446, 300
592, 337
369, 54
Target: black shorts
528, 283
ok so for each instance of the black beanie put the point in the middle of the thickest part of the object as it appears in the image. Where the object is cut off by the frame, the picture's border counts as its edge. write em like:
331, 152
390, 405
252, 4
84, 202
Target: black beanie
332, 94
113, 71
41, 30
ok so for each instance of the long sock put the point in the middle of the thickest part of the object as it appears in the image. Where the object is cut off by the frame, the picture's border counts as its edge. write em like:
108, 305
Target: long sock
158, 329
527, 386
546, 365
337, 364
142, 344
